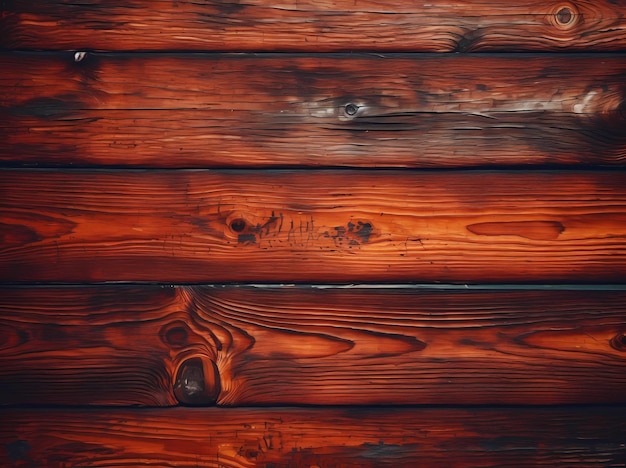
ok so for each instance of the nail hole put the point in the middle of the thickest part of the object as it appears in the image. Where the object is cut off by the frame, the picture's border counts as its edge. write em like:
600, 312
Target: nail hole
564, 15
351, 109
238, 225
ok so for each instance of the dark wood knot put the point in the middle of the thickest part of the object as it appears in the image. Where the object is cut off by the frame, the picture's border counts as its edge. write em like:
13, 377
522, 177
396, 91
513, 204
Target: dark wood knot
175, 334
564, 16
197, 382
238, 225
618, 342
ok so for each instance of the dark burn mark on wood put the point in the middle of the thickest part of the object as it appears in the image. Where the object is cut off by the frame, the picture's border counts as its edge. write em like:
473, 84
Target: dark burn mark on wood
16, 234
51, 332
265, 228
48, 108
18, 451
535, 230
228, 8
467, 42
382, 451
353, 234
361, 229
598, 130
246, 239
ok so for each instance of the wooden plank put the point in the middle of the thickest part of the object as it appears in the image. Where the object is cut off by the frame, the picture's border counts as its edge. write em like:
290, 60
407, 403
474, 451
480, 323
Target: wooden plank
237, 346
313, 226
325, 110
334, 25
290, 437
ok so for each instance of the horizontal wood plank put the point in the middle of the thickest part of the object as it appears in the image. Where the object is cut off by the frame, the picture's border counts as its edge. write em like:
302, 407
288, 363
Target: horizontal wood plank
344, 25
313, 226
128, 345
325, 110
295, 437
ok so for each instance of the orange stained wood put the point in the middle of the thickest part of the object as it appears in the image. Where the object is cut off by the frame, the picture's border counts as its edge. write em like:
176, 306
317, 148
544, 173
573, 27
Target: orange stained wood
233, 346
313, 226
288, 437
310, 25
312, 110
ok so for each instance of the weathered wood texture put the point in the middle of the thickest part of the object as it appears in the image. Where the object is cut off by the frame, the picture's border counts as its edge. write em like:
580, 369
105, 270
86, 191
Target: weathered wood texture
334, 25
313, 226
292, 437
235, 346
322, 110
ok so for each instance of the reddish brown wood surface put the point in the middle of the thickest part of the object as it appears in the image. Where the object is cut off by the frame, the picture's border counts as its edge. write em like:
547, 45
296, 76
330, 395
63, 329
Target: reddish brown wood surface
291, 437
313, 226
395, 25
316, 110
235, 346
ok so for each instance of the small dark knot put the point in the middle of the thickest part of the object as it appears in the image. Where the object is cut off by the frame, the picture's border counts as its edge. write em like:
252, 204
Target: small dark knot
238, 225
618, 342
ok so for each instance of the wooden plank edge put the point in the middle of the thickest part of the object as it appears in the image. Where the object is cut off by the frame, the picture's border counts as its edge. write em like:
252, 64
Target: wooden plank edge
330, 437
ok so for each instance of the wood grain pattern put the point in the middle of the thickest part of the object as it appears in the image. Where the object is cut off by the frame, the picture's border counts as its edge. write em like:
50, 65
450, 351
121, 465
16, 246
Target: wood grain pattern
313, 226
292, 437
129, 345
261, 25
323, 110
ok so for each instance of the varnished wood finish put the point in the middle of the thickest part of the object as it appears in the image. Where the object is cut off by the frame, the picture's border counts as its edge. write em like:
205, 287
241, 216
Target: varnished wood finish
292, 437
128, 345
346, 25
322, 110
313, 226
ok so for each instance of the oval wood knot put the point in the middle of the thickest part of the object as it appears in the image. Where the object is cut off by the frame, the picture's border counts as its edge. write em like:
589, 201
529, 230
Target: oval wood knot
618, 342
197, 382
564, 16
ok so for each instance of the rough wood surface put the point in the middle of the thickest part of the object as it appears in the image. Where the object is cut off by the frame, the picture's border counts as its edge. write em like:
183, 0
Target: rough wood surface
236, 346
322, 110
310, 25
292, 437
313, 226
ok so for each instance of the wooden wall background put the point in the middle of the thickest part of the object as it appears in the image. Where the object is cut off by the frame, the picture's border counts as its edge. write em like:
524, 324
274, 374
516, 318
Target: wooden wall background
312, 234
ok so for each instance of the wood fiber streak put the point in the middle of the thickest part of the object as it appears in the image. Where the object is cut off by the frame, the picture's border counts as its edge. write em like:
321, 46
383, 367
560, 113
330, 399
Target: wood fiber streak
313, 226
258, 111
301, 345
92, 346
292, 437
334, 25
